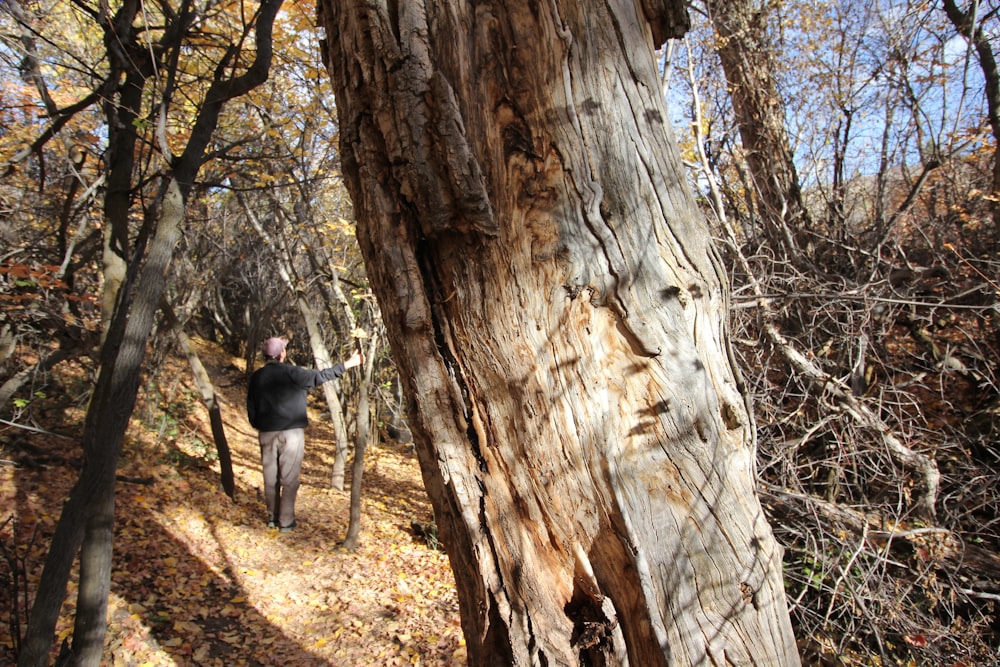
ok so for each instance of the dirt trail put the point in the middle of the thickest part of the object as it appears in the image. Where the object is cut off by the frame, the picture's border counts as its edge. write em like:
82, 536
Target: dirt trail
200, 580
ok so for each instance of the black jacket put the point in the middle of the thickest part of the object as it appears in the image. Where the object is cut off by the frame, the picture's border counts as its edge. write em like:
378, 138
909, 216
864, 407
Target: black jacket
276, 398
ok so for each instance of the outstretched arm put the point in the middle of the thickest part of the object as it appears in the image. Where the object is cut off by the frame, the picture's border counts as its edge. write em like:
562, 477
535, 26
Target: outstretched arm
307, 378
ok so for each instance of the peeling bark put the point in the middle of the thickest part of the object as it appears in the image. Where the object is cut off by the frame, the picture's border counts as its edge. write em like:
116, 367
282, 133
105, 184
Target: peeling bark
557, 310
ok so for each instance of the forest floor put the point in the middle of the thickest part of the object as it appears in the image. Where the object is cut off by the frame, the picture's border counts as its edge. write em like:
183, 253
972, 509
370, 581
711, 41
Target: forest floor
199, 579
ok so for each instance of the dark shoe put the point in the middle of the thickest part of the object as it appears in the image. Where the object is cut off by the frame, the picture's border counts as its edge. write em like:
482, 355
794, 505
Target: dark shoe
290, 527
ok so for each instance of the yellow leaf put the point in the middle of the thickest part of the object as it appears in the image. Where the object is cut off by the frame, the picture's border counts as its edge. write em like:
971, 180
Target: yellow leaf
186, 626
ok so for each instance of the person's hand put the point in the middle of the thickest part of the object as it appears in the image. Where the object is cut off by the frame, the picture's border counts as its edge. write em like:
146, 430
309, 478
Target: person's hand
355, 359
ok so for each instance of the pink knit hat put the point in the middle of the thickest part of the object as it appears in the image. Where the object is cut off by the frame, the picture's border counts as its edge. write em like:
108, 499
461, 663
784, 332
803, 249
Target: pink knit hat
273, 347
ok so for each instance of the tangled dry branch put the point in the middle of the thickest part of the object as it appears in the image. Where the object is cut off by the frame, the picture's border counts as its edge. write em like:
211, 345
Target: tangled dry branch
877, 410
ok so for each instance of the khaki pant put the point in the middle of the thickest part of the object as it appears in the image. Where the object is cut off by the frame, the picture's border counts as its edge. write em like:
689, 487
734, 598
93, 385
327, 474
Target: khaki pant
281, 458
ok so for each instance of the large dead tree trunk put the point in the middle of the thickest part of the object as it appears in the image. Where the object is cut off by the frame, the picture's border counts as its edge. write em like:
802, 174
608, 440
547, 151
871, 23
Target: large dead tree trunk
557, 311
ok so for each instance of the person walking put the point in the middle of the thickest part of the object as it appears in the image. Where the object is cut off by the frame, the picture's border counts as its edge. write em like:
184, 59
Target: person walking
276, 407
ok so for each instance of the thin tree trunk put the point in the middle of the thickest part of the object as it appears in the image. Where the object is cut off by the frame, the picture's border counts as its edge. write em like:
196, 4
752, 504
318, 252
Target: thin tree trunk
340, 453
19, 379
748, 60
557, 311
336, 294
95, 576
208, 396
361, 440
88, 511
52, 587
966, 24
322, 358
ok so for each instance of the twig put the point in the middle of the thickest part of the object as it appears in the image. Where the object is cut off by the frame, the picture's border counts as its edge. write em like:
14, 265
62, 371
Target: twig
753, 300
976, 594
35, 429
